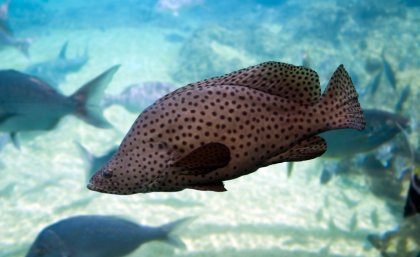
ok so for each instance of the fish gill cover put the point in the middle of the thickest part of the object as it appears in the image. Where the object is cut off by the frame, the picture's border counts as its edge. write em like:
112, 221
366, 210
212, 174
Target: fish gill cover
348, 205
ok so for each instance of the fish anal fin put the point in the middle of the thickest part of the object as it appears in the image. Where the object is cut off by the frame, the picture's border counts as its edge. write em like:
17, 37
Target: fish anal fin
295, 83
217, 186
204, 159
305, 150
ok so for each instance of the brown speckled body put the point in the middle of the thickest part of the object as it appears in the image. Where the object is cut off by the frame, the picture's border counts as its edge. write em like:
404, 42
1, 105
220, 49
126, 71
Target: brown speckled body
221, 128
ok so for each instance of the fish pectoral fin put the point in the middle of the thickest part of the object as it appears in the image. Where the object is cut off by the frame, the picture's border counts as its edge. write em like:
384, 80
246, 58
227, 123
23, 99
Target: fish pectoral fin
217, 186
204, 159
306, 149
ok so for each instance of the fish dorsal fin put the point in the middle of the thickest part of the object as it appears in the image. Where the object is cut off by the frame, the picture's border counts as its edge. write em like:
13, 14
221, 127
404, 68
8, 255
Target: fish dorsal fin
63, 51
204, 159
288, 81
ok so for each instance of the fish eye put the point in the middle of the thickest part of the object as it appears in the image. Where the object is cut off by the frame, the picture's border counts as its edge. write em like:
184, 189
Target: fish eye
107, 174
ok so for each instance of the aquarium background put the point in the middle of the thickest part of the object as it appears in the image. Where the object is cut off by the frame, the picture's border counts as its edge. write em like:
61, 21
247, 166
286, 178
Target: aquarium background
266, 213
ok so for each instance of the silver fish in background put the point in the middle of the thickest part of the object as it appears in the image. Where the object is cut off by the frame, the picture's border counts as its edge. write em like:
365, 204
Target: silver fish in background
28, 103
7, 39
381, 127
54, 71
403, 241
225, 127
175, 6
137, 97
100, 236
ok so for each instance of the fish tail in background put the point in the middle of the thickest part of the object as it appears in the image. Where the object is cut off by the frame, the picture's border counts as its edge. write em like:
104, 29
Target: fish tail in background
170, 228
412, 205
109, 100
88, 99
339, 102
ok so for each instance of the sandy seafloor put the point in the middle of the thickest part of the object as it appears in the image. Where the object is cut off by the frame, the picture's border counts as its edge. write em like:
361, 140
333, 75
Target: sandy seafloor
262, 214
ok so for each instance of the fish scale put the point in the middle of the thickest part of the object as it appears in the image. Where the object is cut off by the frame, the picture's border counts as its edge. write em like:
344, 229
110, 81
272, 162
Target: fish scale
225, 127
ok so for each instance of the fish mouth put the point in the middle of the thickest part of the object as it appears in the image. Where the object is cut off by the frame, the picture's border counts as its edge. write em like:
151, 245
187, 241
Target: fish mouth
92, 187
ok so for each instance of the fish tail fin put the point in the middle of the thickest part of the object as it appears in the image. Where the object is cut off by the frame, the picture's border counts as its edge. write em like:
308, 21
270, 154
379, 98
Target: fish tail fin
339, 102
89, 96
170, 228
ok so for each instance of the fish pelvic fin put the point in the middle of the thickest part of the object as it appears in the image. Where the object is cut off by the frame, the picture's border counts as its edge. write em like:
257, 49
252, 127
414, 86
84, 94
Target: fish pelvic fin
170, 228
339, 103
89, 96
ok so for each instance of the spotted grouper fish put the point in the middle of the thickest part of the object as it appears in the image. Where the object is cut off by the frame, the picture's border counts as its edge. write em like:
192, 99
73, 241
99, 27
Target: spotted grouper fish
225, 127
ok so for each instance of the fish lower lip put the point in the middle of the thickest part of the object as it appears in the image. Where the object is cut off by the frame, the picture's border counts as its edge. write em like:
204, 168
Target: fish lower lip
90, 186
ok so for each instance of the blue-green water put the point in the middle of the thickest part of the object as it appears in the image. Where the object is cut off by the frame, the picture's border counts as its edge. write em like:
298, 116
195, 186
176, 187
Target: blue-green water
265, 213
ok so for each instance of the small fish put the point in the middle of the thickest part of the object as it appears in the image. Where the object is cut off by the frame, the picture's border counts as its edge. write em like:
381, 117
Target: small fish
100, 236
22, 44
175, 6
95, 162
389, 72
28, 103
402, 241
174, 38
412, 205
225, 127
137, 97
55, 71
381, 126
4, 16
7, 38
374, 217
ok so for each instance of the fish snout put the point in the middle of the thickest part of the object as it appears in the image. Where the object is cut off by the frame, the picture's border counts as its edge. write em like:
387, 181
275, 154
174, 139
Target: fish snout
101, 180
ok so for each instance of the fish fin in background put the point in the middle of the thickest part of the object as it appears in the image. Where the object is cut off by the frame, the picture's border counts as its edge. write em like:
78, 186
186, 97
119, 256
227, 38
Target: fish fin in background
88, 158
170, 228
289, 169
89, 96
6, 115
405, 94
63, 51
275, 78
305, 150
389, 71
204, 159
339, 102
217, 186
412, 205
15, 140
